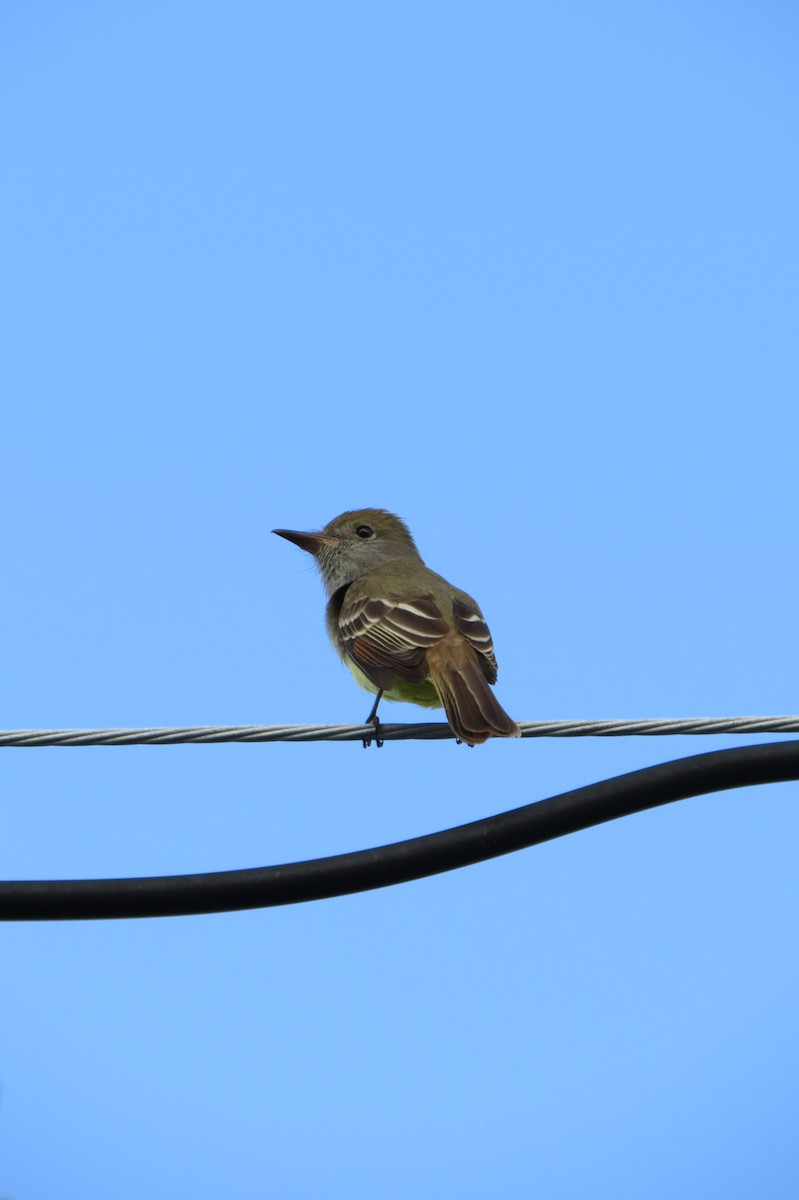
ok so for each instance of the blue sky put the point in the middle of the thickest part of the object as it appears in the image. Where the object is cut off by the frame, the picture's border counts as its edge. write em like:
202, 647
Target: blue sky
527, 275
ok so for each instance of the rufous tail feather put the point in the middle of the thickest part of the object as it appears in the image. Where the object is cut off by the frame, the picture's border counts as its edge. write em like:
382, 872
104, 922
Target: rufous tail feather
472, 709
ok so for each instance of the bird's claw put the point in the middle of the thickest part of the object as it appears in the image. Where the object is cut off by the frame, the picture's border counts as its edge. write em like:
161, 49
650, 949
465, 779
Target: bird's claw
373, 719
367, 741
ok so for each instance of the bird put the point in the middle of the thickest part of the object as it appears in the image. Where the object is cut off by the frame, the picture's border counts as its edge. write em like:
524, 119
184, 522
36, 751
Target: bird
404, 631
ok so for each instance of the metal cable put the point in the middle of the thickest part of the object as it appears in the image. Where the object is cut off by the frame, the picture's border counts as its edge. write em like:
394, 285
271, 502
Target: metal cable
430, 731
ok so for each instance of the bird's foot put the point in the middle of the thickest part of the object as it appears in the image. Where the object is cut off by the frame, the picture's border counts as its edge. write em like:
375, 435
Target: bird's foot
373, 719
367, 741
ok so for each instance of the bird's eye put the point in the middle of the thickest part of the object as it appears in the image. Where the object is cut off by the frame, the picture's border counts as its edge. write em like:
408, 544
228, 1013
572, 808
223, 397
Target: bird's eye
365, 531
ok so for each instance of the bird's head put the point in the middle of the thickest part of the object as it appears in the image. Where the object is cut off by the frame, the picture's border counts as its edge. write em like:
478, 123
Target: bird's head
354, 543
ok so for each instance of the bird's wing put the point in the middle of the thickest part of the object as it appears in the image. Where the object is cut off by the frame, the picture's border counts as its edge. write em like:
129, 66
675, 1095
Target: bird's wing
471, 623
389, 635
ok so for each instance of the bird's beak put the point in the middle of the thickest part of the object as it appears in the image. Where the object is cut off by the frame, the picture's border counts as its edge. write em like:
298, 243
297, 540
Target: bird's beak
312, 542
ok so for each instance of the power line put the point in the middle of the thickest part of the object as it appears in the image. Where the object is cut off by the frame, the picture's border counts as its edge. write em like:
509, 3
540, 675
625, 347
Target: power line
430, 731
343, 874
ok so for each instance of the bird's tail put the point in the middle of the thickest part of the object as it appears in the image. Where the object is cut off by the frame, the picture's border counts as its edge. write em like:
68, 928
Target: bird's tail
472, 709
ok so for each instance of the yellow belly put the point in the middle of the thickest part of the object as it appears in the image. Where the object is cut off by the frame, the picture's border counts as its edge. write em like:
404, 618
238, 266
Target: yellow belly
414, 693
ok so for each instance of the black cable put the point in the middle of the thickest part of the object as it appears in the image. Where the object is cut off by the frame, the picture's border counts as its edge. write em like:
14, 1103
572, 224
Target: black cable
319, 879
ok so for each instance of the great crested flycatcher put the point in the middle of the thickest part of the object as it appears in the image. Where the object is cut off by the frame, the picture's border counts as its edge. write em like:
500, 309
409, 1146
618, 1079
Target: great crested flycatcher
402, 630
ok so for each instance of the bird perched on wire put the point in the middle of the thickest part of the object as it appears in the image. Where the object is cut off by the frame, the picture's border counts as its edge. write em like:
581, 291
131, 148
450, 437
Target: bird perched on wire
402, 630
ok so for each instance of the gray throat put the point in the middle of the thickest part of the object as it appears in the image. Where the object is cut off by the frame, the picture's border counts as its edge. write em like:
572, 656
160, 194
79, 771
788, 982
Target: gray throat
343, 564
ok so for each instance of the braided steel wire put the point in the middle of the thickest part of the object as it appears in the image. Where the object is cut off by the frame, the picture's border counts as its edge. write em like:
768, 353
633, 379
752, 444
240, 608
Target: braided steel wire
429, 731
